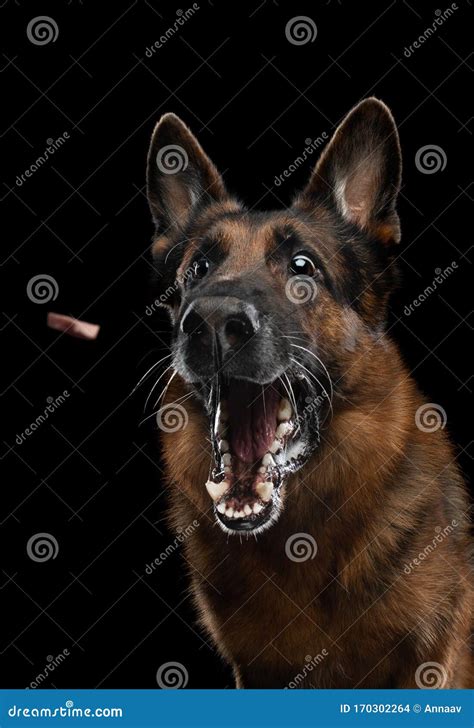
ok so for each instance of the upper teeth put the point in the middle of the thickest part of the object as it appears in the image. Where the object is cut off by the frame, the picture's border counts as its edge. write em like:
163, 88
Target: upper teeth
267, 459
224, 446
284, 411
283, 429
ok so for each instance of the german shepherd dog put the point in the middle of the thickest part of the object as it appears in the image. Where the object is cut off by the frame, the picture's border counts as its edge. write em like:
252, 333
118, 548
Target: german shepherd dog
333, 546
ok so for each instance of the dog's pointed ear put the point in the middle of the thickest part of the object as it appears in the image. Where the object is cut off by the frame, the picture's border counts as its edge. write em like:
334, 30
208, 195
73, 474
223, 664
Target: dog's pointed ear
359, 172
180, 176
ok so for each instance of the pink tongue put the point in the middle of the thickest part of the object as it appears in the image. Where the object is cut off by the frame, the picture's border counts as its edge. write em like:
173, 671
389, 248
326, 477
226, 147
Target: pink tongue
252, 417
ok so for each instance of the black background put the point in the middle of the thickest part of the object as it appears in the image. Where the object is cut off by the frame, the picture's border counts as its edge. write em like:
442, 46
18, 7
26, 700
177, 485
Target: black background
90, 476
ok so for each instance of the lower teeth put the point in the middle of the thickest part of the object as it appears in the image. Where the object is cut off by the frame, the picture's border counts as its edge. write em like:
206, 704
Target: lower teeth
264, 490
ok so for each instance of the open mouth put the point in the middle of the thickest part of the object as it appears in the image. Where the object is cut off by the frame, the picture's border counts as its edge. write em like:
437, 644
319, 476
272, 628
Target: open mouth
258, 439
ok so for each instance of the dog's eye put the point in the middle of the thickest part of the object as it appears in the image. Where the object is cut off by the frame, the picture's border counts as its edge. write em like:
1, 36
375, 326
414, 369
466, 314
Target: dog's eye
200, 267
302, 265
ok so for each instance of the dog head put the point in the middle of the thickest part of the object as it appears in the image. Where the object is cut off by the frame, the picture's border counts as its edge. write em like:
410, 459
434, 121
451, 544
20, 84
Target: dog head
269, 309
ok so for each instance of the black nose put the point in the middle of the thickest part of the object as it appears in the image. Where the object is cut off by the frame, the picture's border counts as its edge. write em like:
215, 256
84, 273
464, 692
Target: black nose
223, 319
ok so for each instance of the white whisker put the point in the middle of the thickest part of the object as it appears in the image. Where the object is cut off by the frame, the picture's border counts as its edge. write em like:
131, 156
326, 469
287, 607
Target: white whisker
320, 362
148, 372
292, 398
165, 389
152, 389
312, 374
181, 399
